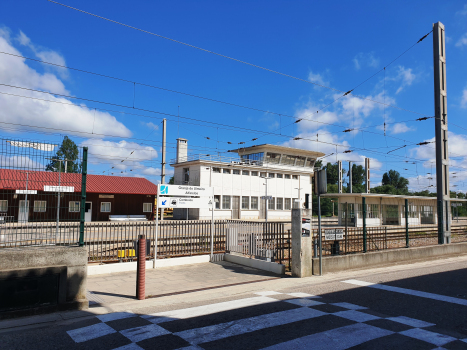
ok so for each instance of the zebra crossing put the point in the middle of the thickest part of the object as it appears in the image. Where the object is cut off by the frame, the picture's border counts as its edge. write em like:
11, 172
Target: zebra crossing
268, 320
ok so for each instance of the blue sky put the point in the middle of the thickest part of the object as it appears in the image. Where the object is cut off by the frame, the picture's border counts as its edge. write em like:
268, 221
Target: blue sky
338, 45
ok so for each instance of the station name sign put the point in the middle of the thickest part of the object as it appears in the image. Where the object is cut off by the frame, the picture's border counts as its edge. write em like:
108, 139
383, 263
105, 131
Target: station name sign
184, 202
180, 190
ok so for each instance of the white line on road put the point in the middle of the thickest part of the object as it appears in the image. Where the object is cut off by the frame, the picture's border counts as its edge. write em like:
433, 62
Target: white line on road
416, 293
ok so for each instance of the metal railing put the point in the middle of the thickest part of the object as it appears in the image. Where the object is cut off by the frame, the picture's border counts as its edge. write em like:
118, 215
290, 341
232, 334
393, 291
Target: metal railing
218, 158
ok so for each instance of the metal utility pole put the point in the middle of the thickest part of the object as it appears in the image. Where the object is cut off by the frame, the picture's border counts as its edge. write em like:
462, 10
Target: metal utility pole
441, 134
339, 184
367, 175
350, 177
164, 130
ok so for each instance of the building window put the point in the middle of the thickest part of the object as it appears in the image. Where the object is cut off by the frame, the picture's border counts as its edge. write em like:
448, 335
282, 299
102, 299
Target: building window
350, 213
372, 211
254, 173
226, 171
217, 202
288, 160
216, 170
273, 158
105, 207
246, 203
186, 176
147, 207
272, 175
245, 172
287, 176
287, 204
279, 203
272, 204
294, 177
262, 174
236, 172
254, 203
3, 205
310, 162
300, 161
225, 202
73, 207
279, 176
254, 157
39, 206
413, 211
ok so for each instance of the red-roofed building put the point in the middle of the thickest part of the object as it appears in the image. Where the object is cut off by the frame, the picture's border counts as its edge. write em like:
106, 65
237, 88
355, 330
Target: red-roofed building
105, 196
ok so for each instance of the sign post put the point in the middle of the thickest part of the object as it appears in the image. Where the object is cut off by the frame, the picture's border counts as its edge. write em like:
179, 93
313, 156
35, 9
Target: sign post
181, 196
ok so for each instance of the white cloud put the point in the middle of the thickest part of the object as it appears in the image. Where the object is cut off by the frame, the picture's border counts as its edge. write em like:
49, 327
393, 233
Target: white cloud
463, 11
45, 55
406, 76
464, 99
462, 40
317, 78
130, 152
400, 128
63, 115
151, 125
365, 59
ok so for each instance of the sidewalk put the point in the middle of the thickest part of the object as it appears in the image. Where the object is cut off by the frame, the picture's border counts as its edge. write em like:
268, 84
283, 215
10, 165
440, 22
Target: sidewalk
121, 287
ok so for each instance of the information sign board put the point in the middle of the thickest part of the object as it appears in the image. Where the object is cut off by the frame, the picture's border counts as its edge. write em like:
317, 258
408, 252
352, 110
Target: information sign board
267, 197
26, 191
59, 189
333, 234
184, 202
182, 190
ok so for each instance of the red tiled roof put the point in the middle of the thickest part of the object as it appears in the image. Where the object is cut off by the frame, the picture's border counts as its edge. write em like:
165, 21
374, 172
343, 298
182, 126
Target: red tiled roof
36, 180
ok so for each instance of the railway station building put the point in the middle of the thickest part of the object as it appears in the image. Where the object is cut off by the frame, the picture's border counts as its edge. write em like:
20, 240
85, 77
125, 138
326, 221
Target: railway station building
243, 179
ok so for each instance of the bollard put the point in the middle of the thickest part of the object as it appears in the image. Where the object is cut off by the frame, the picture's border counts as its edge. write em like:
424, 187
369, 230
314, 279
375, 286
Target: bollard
315, 248
141, 269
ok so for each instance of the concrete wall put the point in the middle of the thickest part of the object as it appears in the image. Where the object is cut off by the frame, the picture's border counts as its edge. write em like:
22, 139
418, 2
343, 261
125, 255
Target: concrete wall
387, 257
69, 262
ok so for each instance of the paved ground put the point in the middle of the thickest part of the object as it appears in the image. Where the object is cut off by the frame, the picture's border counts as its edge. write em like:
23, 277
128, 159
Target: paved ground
418, 306
120, 287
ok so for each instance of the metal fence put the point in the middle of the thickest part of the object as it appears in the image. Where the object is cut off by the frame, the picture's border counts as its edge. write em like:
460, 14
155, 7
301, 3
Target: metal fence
42, 192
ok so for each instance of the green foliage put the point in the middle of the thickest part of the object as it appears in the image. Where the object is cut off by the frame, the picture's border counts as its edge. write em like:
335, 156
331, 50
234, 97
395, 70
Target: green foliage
394, 179
68, 150
172, 180
318, 164
332, 173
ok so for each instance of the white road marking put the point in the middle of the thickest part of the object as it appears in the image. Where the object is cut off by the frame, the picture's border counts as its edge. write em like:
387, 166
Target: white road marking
264, 294
247, 325
303, 302
115, 316
430, 337
145, 332
356, 316
90, 332
417, 293
303, 295
350, 306
411, 321
159, 317
336, 339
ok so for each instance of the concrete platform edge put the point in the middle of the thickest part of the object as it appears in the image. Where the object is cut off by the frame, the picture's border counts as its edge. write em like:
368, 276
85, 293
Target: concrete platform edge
257, 264
131, 266
388, 257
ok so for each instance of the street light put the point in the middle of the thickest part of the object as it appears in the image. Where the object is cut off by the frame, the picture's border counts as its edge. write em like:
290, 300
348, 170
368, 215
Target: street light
299, 197
59, 183
332, 207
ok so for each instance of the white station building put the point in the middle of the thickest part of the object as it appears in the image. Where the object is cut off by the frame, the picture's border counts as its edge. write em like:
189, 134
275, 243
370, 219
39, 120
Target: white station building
240, 182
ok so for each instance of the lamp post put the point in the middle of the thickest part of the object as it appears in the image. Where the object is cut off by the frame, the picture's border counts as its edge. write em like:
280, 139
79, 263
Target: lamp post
299, 197
332, 207
59, 184
267, 200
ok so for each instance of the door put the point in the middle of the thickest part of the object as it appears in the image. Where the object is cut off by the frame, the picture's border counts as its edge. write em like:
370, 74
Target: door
23, 212
88, 212
236, 207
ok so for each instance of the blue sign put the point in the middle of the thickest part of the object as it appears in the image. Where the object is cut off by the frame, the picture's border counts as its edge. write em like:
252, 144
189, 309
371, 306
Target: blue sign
164, 189
163, 202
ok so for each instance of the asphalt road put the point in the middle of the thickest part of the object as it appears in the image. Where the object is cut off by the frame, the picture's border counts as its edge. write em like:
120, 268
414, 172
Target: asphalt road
420, 306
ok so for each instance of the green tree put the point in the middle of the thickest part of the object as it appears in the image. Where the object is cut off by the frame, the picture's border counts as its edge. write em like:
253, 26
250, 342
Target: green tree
332, 173
358, 178
69, 151
172, 180
393, 178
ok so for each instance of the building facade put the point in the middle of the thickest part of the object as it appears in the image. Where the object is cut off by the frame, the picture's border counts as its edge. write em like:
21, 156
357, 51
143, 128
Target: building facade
241, 181
34, 196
